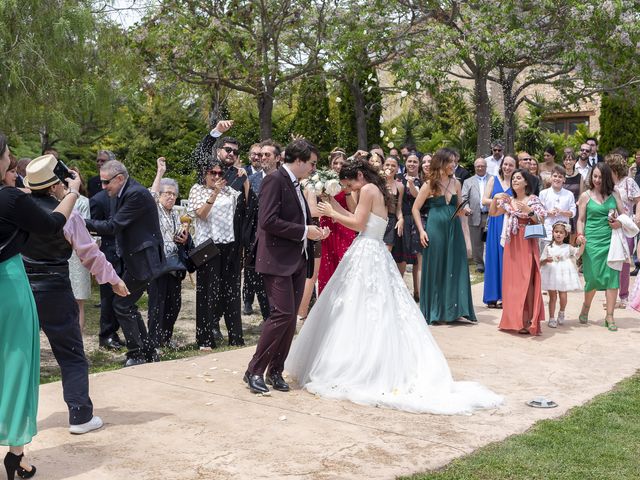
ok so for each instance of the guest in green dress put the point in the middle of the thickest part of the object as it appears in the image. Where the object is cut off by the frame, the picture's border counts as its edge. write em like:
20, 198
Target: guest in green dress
19, 329
446, 288
597, 211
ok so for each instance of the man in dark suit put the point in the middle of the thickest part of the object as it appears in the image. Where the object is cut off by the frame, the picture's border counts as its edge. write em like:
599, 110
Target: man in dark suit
253, 284
102, 209
136, 228
282, 257
594, 156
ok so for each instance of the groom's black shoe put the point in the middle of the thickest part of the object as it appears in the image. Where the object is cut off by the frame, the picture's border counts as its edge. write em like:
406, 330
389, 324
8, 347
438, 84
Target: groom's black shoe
277, 382
255, 382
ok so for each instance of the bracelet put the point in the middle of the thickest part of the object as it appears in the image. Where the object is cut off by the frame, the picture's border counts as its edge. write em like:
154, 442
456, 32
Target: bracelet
77, 194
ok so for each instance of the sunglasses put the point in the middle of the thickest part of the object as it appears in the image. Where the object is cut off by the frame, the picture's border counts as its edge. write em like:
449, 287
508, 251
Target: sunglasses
215, 174
497, 149
108, 181
585, 149
230, 150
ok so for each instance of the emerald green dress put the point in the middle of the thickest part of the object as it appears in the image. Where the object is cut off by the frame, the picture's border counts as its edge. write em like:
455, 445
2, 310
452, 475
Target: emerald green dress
597, 274
446, 288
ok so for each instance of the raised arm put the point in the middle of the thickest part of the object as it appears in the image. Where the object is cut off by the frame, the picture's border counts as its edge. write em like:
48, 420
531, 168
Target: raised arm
160, 171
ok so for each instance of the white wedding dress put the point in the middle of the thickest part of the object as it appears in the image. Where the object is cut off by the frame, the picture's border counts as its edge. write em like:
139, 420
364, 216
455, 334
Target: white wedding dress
365, 340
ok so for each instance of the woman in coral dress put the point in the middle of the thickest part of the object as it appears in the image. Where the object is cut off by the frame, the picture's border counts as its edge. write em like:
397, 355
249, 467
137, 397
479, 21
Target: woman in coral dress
523, 308
335, 245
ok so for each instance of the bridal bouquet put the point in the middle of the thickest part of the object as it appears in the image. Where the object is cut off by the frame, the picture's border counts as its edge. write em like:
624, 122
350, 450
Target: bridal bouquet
323, 182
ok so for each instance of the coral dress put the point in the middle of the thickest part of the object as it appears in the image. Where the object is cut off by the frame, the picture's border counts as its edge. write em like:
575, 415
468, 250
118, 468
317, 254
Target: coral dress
522, 303
334, 246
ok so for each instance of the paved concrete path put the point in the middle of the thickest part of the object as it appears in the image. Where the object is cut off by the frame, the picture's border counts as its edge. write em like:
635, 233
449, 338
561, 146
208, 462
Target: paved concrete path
194, 418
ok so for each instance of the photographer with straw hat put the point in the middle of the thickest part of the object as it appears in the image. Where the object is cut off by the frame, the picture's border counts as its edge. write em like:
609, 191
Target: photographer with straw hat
46, 257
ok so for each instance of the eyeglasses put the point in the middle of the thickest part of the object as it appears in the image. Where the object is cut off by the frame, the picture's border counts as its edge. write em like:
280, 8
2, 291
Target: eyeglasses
526, 159
108, 181
585, 149
169, 194
497, 149
215, 174
230, 150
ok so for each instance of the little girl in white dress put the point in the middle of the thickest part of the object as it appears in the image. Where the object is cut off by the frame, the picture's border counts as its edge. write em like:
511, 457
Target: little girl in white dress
559, 272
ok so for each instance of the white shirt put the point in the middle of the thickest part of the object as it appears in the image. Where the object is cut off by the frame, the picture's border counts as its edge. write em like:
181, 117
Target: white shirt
218, 225
482, 183
584, 171
493, 165
294, 180
562, 200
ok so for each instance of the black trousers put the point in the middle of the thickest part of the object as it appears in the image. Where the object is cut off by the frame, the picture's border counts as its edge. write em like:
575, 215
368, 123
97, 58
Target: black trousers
108, 322
165, 301
58, 314
130, 319
217, 295
254, 285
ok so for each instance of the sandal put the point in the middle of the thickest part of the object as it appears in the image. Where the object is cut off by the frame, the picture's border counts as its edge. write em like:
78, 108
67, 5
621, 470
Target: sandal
584, 315
611, 326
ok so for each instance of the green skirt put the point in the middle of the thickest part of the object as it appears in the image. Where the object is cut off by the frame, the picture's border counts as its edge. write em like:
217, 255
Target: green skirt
19, 355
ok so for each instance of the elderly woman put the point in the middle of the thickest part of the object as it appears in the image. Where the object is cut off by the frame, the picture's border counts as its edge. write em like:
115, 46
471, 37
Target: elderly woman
218, 211
19, 329
629, 193
596, 218
165, 292
523, 308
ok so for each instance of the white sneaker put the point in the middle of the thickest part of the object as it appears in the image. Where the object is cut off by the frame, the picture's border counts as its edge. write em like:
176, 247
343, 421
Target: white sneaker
553, 323
93, 424
560, 318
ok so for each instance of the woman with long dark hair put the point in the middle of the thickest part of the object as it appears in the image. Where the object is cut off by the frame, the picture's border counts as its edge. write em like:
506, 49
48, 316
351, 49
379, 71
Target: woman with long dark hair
19, 326
446, 289
598, 209
523, 309
365, 339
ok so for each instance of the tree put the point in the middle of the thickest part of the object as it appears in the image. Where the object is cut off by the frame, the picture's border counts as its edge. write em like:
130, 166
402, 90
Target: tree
620, 121
56, 70
312, 113
251, 46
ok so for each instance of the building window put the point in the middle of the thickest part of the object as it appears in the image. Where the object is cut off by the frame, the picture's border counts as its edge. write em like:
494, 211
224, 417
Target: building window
562, 123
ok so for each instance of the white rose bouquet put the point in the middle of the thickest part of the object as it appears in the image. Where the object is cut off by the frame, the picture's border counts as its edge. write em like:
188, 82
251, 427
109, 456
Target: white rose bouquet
323, 182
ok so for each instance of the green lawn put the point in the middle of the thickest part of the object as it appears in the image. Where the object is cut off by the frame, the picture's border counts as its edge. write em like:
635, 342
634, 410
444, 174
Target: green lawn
598, 441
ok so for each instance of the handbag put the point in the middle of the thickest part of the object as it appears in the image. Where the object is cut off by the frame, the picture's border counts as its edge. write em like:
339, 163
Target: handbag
535, 230
174, 265
203, 252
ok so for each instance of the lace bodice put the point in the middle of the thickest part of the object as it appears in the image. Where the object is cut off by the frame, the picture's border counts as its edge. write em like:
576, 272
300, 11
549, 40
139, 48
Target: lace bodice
375, 227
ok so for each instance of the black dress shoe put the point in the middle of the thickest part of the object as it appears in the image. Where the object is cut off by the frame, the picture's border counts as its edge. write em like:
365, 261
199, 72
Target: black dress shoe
635, 272
255, 382
111, 344
277, 382
132, 362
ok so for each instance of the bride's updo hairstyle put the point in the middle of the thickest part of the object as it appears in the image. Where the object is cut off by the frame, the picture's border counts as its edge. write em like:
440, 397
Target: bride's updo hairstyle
350, 171
437, 168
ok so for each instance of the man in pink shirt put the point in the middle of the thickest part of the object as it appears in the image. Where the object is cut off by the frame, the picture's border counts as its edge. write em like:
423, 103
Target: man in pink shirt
46, 261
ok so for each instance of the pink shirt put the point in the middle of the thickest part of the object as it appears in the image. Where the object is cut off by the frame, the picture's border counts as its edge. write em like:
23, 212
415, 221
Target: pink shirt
76, 233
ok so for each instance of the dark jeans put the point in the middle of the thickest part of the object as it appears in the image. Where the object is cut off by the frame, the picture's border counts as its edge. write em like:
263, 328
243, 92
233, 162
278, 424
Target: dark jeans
130, 320
218, 294
254, 285
58, 314
165, 300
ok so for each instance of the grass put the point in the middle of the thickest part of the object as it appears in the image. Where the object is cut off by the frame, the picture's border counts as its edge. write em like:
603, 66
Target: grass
597, 441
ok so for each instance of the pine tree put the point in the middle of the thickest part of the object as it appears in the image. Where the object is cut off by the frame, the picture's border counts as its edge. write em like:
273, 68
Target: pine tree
312, 115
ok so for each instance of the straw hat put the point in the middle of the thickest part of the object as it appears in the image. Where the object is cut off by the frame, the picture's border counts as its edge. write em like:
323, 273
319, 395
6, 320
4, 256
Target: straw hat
40, 173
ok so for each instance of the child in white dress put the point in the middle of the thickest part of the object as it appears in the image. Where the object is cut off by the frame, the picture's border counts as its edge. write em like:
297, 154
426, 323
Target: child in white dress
558, 271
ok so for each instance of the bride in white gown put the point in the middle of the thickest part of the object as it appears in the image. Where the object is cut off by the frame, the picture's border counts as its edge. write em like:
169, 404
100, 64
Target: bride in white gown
365, 340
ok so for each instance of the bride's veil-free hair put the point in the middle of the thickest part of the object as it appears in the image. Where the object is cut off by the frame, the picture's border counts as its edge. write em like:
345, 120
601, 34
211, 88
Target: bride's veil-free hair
350, 171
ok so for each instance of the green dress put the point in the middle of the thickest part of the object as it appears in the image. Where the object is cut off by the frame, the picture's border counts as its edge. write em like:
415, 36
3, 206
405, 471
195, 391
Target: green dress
446, 288
597, 274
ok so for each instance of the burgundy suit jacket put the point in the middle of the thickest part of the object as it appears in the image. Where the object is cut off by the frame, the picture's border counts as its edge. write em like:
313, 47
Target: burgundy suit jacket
280, 226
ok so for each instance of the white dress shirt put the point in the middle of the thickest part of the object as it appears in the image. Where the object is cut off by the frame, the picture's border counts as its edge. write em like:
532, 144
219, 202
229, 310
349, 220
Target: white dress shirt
296, 184
493, 165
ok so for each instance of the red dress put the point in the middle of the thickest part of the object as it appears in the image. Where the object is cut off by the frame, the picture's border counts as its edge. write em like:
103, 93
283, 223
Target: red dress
334, 246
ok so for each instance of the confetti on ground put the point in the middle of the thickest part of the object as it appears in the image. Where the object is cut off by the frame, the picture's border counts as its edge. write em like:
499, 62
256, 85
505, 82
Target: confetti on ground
282, 418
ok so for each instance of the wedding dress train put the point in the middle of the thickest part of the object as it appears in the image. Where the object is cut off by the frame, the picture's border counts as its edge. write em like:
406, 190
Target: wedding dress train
365, 340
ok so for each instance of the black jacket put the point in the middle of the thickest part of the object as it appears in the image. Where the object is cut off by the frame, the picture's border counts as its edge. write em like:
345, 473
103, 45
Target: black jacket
136, 228
102, 209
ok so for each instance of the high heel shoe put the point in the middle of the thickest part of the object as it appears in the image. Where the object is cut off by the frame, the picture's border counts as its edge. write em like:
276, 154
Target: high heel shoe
12, 466
611, 326
584, 315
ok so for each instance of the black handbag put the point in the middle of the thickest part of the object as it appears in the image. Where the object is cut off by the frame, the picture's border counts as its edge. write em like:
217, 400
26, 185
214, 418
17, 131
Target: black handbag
203, 252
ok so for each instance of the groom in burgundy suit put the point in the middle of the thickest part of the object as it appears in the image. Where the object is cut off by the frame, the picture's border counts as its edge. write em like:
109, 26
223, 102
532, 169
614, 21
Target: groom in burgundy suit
282, 255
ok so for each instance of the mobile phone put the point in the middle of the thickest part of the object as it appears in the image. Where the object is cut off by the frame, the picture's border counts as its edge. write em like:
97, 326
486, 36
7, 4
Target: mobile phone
62, 171
232, 178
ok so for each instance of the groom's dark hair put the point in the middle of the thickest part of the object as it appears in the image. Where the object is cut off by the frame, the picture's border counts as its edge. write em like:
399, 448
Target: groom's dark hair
299, 149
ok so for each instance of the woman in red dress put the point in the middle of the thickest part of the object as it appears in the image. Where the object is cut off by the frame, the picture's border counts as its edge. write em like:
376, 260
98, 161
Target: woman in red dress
335, 245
